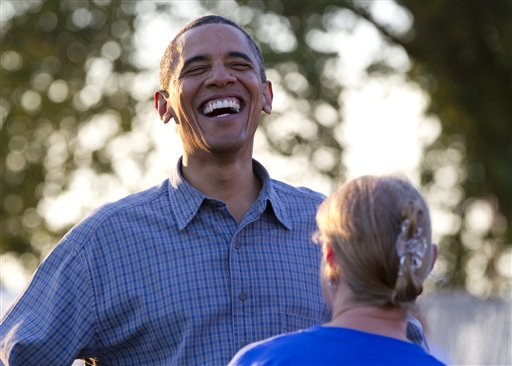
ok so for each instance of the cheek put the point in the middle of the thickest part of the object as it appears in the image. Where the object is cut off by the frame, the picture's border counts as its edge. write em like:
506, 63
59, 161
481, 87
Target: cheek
184, 94
183, 109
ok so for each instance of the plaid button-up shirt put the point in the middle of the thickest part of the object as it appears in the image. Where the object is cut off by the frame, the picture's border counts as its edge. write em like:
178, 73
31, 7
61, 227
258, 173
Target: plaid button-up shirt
168, 277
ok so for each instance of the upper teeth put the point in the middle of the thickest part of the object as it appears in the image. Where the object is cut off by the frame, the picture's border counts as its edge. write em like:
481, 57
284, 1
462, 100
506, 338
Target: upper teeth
224, 103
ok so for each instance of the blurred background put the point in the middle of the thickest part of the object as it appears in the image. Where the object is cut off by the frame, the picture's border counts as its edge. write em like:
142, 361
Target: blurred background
421, 88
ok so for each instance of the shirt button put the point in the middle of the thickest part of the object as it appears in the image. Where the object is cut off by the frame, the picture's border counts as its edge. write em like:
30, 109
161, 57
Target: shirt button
237, 245
242, 296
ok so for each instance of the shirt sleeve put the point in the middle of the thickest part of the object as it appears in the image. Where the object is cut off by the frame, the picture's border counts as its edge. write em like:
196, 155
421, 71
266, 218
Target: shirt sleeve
52, 322
415, 333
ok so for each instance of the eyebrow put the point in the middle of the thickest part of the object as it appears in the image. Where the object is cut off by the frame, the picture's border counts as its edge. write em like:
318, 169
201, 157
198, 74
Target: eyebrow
201, 58
235, 54
191, 60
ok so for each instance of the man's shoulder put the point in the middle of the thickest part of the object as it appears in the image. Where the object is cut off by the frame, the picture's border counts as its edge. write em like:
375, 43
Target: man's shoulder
133, 205
134, 200
292, 192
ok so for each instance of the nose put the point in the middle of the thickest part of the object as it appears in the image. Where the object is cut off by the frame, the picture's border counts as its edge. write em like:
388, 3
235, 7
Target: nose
220, 76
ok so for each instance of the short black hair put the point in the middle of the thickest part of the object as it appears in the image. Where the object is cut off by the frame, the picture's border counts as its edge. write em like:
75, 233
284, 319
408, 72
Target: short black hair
169, 57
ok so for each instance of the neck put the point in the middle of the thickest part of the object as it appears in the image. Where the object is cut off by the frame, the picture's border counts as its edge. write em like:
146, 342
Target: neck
386, 321
229, 180
389, 321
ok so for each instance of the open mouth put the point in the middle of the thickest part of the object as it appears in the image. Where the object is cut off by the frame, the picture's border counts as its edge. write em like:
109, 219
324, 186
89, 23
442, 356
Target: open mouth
222, 107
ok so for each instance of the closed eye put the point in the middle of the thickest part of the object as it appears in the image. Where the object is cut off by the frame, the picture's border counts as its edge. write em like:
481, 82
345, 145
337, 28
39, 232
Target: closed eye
195, 70
240, 66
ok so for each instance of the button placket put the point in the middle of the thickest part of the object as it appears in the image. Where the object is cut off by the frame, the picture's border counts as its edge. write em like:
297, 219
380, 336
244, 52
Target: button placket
239, 296
242, 295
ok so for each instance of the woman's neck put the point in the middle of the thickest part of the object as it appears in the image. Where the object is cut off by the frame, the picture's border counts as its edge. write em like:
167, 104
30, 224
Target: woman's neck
390, 321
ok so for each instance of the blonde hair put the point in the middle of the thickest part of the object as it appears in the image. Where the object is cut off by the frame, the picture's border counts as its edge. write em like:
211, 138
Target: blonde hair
363, 220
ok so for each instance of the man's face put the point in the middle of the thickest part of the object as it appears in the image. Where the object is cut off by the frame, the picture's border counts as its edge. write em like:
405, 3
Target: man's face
216, 94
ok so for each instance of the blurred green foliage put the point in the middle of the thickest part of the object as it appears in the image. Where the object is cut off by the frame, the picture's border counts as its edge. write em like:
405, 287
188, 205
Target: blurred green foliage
460, 53
47, 49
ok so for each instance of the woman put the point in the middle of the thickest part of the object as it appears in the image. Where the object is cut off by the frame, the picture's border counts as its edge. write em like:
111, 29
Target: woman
377, 251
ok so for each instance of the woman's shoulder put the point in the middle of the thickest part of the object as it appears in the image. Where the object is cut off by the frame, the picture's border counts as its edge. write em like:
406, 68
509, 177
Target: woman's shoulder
279, 349
332, 346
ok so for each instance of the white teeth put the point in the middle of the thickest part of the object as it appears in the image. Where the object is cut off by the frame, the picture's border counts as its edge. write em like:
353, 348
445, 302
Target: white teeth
225, 103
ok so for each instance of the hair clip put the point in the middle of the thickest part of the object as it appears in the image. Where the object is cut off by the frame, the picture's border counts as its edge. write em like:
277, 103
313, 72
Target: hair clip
416, 247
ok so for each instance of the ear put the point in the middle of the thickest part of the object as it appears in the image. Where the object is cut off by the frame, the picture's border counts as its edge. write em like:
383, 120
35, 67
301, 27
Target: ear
164, 111
268, 96
435, 252
330, 259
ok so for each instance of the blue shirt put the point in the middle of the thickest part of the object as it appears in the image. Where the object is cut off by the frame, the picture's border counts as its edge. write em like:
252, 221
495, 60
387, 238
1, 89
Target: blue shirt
321, 345
168, 277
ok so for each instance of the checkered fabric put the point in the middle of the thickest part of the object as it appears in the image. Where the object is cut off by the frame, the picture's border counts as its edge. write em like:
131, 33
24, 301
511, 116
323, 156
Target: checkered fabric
168, 277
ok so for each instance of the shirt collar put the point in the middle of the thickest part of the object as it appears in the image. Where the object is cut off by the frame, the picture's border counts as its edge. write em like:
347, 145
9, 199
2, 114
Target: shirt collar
186, 200
269, 195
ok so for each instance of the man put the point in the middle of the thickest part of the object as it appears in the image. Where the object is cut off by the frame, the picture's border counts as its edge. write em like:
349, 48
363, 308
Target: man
188, 272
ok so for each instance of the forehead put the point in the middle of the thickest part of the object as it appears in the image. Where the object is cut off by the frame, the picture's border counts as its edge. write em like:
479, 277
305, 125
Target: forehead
212, 39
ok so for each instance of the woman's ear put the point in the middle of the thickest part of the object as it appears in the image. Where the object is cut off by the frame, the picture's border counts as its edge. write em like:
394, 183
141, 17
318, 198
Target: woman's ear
268, 96
330, 257
161, 105
331, 263
435, 252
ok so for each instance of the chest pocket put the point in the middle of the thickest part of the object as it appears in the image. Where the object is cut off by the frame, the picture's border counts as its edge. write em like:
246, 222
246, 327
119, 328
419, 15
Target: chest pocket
292, 322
